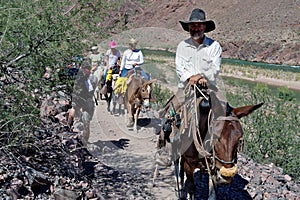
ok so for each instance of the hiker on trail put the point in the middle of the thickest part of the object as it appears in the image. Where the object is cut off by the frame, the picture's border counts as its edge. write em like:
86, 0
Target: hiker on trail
133, 58
83, 104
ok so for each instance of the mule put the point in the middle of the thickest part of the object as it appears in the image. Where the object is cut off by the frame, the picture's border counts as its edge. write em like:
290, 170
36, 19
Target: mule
205, 149
109, 94
112, 97
110, 80
138, 95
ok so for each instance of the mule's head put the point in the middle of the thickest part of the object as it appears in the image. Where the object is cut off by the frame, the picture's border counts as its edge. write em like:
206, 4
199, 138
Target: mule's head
228, 133
146, 93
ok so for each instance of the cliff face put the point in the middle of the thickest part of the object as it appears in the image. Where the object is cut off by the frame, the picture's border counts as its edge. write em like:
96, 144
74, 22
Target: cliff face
254, 30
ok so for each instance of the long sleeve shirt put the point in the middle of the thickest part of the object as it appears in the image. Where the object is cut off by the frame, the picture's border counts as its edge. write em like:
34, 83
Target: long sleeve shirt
112, 58
130, 57
204, 59
96, 59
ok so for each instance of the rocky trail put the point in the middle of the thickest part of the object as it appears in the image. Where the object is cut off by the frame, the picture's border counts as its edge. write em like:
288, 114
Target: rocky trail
130, 155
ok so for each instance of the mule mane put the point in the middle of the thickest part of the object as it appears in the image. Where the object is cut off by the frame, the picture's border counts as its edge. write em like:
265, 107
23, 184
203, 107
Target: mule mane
134, 86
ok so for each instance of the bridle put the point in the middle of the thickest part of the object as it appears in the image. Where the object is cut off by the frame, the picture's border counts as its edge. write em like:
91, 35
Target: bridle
210, 131
199, 145
223, 161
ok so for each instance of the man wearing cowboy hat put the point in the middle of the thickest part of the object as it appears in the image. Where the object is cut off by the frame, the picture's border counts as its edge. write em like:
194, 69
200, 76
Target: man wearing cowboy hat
198, 58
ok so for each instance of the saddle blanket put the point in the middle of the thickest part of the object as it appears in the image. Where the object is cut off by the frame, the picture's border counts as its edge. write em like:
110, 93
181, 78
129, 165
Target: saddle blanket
120, 86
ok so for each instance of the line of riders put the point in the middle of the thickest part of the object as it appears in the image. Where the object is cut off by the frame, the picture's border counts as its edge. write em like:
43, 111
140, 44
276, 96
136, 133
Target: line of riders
211, 134
102, 76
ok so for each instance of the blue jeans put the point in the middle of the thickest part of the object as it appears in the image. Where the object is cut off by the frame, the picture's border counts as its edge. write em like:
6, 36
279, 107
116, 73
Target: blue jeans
124, 72
143, 73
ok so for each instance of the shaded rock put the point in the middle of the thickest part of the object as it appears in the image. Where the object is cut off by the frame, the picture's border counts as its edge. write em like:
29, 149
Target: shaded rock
62, 194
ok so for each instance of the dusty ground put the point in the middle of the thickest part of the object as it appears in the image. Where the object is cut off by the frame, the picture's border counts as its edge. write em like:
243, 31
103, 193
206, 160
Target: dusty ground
127, 151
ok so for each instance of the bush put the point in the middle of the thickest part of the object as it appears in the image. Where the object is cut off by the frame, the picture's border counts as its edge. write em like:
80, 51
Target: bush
285, 94
272, 132
162, 95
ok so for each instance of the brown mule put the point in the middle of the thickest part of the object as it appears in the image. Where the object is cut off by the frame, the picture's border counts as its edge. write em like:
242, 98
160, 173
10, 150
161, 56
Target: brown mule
208, 145
138, 94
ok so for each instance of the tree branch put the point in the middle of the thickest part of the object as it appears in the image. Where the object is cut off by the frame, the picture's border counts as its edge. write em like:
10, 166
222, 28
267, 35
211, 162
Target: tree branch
16, 59
71, 8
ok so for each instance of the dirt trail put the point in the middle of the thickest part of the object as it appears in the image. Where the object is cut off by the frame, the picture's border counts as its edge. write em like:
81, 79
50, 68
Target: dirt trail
127, 151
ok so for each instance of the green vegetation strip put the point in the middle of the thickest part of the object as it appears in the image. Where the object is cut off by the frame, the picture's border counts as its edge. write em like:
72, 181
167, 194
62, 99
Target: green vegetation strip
261, 65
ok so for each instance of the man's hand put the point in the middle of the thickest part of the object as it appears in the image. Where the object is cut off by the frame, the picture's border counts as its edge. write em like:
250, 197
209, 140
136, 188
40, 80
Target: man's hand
198, 79
203, 82
194, 79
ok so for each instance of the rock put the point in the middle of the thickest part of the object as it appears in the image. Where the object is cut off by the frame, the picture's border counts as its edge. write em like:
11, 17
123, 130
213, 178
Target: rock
287, 178
62, 194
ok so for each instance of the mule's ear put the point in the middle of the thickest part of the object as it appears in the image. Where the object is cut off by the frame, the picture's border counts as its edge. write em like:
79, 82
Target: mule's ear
245, 110
150, 82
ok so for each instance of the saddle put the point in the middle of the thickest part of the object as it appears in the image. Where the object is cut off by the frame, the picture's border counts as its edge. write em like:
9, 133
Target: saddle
180, 118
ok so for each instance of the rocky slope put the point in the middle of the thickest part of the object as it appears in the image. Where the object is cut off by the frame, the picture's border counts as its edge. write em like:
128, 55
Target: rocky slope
264, 31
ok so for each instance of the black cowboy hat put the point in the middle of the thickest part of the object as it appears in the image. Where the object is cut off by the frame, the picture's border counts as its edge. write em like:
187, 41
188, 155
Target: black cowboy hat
198, 15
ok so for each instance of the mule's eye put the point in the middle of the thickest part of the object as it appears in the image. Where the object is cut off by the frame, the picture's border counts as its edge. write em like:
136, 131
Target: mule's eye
143, 90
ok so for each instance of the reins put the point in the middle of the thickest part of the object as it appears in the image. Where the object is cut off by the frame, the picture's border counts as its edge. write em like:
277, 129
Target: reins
200, 139
220, 118
187, 89
199, 144
205, 154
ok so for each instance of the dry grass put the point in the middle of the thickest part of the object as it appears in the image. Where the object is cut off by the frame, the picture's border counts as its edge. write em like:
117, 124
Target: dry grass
253, 73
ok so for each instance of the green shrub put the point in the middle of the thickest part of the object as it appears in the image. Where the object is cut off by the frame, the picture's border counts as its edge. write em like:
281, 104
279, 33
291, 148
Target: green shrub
162, 95
272, 132
285, 94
